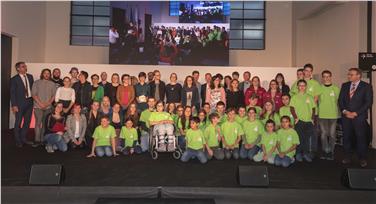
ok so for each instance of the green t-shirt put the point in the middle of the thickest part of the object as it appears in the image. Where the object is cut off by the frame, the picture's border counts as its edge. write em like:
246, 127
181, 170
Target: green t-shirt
269, 140
202, 125
240, 120
222, 119
212, 134
303, 105
313, 88
104, 135
294, 88
258, 110
286, 111
286, 139
231, 131
180, 125
129, 135
144, 117
195, 139
275, 118
328, 102
159, 116
252, 130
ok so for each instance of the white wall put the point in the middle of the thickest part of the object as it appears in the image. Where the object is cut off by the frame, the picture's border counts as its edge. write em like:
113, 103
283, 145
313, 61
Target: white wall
51, 21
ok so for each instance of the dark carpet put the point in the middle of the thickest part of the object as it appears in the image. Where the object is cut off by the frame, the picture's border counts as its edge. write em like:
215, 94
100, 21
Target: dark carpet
142, 170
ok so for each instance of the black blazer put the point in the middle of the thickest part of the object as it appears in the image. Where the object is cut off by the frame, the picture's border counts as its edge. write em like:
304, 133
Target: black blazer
195, 98
360, 102
203, 94
17, 90
162, 89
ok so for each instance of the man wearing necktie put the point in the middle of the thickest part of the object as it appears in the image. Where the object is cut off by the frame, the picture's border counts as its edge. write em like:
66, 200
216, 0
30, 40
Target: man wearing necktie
355, 98
22, 102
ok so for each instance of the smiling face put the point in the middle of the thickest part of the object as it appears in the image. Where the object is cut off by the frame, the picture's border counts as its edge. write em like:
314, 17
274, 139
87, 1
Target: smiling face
46, 75
269, 127
285, 100
285, 123
187, 112
241, 111
95, 80
67, 82
251, 115
160, 107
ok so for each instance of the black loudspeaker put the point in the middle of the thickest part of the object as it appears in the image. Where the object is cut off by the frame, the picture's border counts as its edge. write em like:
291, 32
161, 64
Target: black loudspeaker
367, 61
46, 174
154, 201
364, 179
256, 176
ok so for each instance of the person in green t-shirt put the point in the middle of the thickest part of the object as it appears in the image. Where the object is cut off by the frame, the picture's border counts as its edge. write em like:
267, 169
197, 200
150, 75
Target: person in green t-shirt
104, 140
179, 114
203, 120
212, 134
305, 109
288, 140
294, 88
253, 100
144, 124
287, 110
220, 109
253, 128
269, 113
207, 108
231, 134
130, 138
241, 116
163, 128
195, 143
328, 115
268, 143
183, 125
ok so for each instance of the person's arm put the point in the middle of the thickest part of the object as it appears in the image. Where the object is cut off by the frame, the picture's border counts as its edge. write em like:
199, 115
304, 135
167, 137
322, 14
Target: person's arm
84, 126
272, 150
292, 148
57, 95
92, 153
224, 142
68, 126
341, 99
223, 95
34, 94
131, 95
367, 102
113, 145
208, 97
118, 93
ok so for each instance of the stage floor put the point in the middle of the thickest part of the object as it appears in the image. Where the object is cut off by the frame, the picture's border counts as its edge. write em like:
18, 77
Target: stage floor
143, 171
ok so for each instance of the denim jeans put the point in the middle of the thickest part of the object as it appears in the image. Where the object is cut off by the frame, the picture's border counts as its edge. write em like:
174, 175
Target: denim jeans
136, 149
306, 132
232, 152
328, 134
56, 139
144, 141
103, 150
191, 153
285, 161
218, 153
248, 153
182, 142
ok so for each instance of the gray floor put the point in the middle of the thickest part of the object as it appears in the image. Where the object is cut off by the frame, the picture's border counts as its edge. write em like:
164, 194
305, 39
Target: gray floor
88, 195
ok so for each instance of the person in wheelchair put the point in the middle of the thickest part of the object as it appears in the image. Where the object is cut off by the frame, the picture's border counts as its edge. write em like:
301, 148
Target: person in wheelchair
163, 125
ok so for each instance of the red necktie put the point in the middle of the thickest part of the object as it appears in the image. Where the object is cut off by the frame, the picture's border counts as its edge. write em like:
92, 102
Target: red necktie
352, 90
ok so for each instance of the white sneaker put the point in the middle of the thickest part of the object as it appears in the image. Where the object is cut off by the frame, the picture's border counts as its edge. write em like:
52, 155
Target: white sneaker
49, 149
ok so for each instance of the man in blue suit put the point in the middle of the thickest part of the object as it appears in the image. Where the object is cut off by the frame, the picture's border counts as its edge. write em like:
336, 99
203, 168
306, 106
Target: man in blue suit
355, 98
22, 102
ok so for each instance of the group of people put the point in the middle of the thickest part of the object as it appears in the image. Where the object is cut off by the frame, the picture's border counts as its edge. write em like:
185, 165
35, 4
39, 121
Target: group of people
221, 118
209, 12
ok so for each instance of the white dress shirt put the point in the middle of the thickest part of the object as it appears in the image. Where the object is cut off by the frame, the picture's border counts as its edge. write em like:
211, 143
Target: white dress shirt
113, 36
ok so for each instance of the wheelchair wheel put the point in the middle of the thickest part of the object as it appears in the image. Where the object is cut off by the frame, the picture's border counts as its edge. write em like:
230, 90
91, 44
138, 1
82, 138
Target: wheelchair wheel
154, 155
177, 154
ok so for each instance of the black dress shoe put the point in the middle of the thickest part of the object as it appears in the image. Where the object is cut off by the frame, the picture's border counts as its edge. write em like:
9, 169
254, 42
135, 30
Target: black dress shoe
29, 142
36, 144
19, 145
363, 163
346, 161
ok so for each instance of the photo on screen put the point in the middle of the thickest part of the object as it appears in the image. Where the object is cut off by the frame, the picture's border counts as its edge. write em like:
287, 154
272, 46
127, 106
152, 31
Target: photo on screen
169, 33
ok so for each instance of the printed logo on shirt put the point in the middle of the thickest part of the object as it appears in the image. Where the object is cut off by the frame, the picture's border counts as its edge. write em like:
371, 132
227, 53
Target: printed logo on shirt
289, 138
308, 101
256, 129
310, 89
271, 142
332, 93
107, 136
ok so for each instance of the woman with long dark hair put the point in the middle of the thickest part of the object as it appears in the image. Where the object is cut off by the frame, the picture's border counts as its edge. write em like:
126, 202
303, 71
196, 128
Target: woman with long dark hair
274, 94
189, 94
255, 88
216, 92
234, 96
283, 87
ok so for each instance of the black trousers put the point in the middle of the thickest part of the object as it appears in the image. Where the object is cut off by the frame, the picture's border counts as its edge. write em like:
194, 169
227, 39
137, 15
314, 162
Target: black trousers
355, 136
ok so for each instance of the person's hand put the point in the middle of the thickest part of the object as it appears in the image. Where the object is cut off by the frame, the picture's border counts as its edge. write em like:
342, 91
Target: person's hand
210, 152
281, 154
91, 155
79, 142
349, 115
132, 150
115, 154
265, 157
60, 133
14, 109
296, 121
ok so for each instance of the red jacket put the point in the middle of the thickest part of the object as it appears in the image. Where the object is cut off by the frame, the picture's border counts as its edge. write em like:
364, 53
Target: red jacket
277, 99
250, 91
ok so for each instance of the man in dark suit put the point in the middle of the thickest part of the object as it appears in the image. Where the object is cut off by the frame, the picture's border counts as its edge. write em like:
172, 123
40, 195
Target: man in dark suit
204, 87
355, 98
22, 102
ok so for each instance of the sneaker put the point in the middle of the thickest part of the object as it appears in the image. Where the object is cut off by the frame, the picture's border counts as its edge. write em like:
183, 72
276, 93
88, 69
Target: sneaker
307, 158
330, 156
49, 149
299, 157
36, 144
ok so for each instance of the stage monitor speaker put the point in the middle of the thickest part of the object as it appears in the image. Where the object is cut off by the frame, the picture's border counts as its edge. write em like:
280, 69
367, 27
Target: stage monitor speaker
154, 201
367, 61
364, 179
46, 174
255, 176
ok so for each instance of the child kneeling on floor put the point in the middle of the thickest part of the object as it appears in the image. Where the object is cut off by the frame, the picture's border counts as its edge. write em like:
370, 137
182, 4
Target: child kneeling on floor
232, 132
288, 140
212, 135
129, 134
195, 143
104, 139
268, 144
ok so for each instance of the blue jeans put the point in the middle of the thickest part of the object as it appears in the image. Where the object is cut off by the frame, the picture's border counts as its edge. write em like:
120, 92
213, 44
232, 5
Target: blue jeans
144, 141
191, 153
248, 153
100, 151
56, 139
181, 141
136, 149
218, 153
285, 161
232, 152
